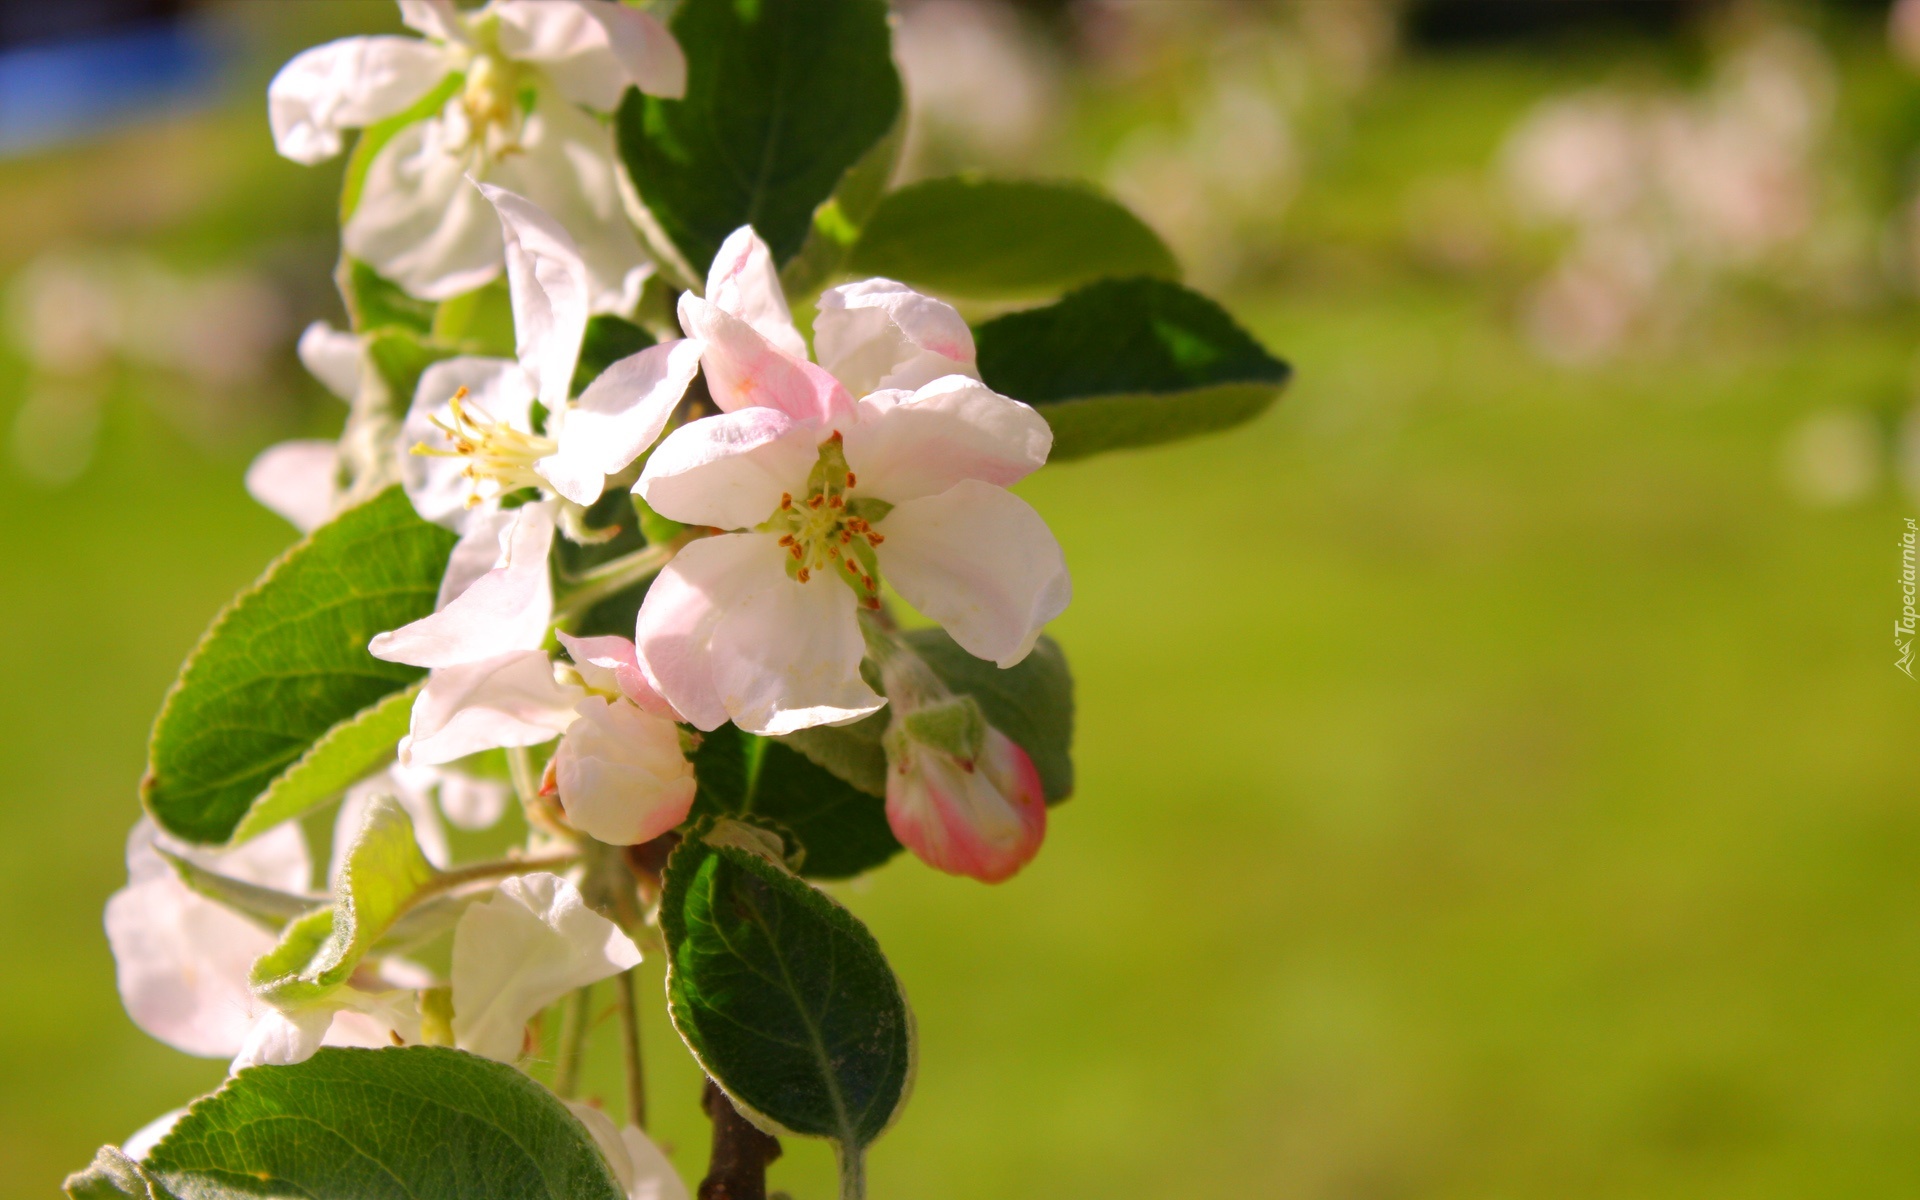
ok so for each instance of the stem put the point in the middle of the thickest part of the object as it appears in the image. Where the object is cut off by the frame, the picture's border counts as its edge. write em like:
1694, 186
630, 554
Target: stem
447, 881
611, 577
520, 765
630, 1047
853, 1173
574, 1020
737, 1169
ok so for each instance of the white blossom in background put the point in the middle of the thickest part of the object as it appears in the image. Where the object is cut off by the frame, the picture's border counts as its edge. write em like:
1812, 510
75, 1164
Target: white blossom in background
642, 1170
828, 494
182, 960
945, 50
530, 943
434, 797
1665, 193
417, 222
299, 479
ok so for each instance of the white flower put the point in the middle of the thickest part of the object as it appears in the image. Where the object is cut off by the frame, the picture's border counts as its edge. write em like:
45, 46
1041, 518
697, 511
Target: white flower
621, 774
530, 943
300, 479
426, 793
417, 222
490, 683
642, 1171
905, 485
182, 959
470, 436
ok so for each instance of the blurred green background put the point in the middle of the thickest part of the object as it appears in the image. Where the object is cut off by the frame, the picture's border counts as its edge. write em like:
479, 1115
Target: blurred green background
1495, 779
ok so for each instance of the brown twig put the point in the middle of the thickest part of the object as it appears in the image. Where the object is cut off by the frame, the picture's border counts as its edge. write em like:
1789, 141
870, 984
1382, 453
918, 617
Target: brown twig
738, 1167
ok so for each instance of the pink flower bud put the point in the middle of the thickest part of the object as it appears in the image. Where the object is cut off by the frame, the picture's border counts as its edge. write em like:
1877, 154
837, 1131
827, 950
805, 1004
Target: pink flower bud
984, 819
620, 772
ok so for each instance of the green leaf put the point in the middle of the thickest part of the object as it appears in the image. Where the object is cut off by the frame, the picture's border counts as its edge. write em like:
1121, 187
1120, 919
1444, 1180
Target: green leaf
855, 752
842, 828
783, 996
267, 906
112, 1175
412, 1123
783, 96
1129, 362
280, 704
1031, 702
1002, 239
609, 339
375, 302
385, 873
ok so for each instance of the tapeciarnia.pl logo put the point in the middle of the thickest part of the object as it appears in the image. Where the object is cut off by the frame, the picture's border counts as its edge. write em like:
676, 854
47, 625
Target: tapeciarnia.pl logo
1904, 627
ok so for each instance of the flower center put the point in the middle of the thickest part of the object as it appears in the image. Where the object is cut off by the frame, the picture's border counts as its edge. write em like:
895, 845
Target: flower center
488, 107
499, 457
830, 529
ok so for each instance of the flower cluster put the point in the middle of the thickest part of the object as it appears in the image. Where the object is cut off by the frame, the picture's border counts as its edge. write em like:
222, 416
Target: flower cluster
803, 497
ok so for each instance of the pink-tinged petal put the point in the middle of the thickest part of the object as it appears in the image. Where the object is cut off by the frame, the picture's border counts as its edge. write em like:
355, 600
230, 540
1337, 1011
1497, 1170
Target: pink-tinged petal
344, 85
745, 370
908, 446
879, 334
296, 480
420, 222
436, 482
566, 167
642, 1171
678, 617
481, 548
508, 609
547, 280
729, 471
508, 701
436, 18
619, 415
181, 959
612, 664
981, 562
785, 655
744, 282
621, 774
333, 357
986, 822
593, 51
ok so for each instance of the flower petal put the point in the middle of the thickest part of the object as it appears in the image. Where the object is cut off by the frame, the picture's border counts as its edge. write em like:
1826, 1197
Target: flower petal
144, 1139
729, 471
679, 614
548, 283
785, 655
619, 416
530, 943
980, 561
905, 447
333, 357
280, 1039
612, 664
566, 166
745, 370
296, 480
512, 700
593, 52
345, 84
507, 609
641, 1170
437, 482
467, 801
418, 803
435, 18
744, 282
880, 334
621, 774
986, 822
419, 221
181, 960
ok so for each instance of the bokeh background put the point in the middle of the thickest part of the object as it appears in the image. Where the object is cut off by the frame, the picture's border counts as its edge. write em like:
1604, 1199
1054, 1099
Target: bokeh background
1495, 776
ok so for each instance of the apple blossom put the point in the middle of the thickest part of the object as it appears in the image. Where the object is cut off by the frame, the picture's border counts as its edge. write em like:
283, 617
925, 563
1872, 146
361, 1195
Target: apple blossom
828, 495
428, 794
299, 479
530, 943
471, 436
182, 960
642, 1170
528, 71
981, 814
620, 772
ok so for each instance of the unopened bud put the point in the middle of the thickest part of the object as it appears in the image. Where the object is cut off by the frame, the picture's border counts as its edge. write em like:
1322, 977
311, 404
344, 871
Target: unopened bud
982, 815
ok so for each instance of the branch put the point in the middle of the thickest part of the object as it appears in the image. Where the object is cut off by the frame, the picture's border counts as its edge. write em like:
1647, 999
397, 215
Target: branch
738, 1167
